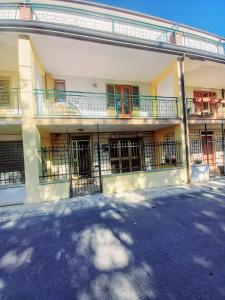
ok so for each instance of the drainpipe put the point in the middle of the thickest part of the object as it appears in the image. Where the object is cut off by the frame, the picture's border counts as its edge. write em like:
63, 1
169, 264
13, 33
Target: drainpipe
70, 154
222, 128
206, 143
99, 161
185, 119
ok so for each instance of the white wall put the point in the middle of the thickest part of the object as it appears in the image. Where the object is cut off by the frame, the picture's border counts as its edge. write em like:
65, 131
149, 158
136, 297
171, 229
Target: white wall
81, 84
12, 195
38, 77
165, 87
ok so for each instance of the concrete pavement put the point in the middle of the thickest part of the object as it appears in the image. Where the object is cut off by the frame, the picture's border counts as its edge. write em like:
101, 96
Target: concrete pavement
151, 244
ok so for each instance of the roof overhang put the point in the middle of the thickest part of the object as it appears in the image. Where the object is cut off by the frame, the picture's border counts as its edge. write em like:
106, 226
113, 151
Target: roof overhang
20, 26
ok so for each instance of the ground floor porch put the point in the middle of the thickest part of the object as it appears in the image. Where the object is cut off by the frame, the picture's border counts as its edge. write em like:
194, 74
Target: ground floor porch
89, 161
207, 146
77, 162
72, 161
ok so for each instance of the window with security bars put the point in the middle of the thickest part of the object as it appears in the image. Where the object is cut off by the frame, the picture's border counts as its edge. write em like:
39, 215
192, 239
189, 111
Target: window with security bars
11, 163
4, 92
125, 155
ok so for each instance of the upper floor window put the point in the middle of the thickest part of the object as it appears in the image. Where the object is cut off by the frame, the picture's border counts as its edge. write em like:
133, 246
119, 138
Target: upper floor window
60, 88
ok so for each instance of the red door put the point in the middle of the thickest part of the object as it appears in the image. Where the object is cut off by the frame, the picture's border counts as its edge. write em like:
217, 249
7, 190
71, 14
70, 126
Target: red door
210, 149
124, 92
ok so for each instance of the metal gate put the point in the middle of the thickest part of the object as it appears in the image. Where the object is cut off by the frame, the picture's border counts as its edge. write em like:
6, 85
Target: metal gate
209, 151
85, 168
84, 161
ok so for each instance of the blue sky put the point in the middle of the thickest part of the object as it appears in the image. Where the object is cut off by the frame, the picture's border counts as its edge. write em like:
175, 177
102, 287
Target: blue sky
208, 15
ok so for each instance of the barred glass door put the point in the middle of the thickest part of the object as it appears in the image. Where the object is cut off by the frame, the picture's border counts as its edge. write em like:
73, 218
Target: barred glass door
81, 158
85, 177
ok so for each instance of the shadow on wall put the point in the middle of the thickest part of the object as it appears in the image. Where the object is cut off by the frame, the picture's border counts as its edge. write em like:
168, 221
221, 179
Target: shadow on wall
145, 250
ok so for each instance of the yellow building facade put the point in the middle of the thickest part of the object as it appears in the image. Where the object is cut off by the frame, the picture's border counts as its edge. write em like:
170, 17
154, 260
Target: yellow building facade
92, 102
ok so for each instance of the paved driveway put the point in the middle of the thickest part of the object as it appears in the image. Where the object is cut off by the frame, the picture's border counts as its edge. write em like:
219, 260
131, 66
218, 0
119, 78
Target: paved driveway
167, 245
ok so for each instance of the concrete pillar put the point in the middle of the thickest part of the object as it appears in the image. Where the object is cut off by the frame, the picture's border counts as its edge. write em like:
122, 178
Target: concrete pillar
184, 130
31, 137
174, 70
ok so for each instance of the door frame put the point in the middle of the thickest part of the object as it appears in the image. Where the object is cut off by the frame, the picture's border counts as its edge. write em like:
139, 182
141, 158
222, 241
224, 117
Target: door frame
75, 141
211, 160
84, 185
121, 87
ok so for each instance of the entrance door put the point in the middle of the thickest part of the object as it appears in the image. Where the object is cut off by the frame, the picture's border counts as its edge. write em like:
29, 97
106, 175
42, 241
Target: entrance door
81, 158
124, 92
85, 178
208, 151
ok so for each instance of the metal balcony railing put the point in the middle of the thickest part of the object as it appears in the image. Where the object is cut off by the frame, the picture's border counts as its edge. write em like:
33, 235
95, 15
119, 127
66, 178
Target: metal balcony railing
10, 11
114, 25
206, 108
10, 102
92, 105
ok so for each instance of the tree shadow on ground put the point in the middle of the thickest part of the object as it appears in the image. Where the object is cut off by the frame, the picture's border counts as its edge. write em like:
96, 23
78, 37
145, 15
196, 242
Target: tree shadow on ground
171, 247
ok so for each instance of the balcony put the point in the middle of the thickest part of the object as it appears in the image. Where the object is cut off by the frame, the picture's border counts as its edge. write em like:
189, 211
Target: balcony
10, 102
93, 105
206, 108
113, 25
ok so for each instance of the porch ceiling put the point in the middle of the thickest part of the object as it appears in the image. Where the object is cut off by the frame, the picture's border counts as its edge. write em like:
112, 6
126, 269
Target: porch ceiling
68, 57
103, 128
204, 74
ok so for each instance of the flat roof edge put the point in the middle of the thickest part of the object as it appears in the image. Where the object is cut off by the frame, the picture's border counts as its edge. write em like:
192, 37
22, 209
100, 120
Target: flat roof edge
143, 15
104, 38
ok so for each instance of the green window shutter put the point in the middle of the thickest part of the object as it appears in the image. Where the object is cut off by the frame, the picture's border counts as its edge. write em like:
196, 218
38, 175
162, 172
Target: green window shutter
110, 91
135, 96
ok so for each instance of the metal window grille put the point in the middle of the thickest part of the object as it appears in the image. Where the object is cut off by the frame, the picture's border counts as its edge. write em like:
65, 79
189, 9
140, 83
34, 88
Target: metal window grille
117, 156
11, 163
211, 152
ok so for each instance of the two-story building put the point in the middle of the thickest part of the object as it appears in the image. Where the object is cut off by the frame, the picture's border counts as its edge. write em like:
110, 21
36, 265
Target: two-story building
98, 99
